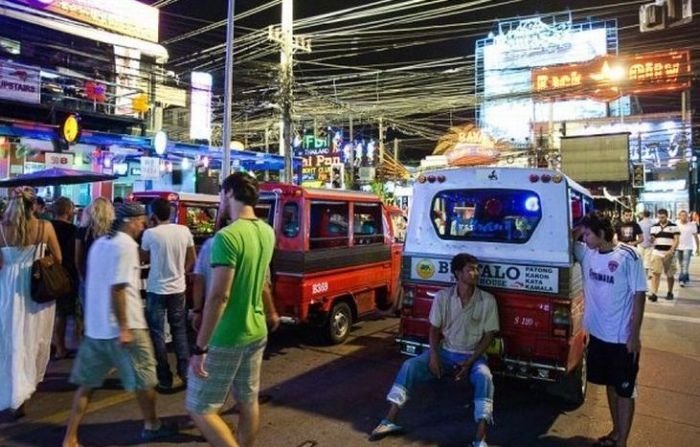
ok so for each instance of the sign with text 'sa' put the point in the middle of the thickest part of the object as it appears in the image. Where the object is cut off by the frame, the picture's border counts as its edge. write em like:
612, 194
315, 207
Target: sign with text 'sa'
58, 160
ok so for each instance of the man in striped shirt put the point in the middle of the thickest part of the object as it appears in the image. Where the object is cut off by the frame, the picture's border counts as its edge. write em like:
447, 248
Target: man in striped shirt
664, 237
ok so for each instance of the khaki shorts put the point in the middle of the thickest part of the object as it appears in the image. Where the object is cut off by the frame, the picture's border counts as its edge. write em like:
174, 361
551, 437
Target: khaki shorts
135, 363
659, 265
645, 254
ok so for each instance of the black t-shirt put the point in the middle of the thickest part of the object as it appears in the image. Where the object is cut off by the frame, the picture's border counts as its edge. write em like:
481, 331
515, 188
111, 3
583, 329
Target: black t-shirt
627, 231
65, 233
85, 234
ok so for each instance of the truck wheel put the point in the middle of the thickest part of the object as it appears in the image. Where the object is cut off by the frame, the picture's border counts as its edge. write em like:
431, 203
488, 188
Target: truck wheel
339, 321
576, 384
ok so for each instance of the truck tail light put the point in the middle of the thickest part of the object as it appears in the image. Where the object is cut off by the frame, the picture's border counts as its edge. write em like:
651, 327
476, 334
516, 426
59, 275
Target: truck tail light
409, 296
561, 321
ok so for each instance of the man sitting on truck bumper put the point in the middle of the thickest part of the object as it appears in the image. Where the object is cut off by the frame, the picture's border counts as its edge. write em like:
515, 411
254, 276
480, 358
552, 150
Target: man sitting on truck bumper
463, 321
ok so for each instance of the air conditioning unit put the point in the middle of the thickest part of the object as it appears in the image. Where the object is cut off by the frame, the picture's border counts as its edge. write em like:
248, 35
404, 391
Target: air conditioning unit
652, 17
679, 12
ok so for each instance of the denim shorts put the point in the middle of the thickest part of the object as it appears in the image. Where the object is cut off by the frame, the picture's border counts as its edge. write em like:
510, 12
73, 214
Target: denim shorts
234, 368
135, 363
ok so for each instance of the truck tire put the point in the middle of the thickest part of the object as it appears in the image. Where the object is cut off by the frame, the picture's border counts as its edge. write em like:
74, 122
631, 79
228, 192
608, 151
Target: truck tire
576, 384
337, 327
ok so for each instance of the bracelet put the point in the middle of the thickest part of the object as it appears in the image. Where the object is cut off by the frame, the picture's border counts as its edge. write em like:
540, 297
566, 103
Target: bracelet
196, 350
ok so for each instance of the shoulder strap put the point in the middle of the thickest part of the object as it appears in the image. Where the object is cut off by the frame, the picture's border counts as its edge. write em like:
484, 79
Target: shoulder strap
39, 239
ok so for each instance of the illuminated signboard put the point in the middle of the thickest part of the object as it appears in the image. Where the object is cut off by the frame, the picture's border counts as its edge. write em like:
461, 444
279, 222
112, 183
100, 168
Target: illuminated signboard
128, 17
505, 62
200, 106
605, 78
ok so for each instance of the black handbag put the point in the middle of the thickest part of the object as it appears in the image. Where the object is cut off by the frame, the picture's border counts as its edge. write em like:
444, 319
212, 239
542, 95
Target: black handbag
50, 280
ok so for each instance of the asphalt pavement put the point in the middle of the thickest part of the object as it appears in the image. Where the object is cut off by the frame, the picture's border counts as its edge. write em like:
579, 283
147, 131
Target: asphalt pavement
316, 395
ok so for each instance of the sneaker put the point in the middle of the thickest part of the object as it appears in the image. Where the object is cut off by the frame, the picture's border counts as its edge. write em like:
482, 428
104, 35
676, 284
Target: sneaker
481, 443
669, 296
653, 298
162, 432
385, 428
165, 389
682, 283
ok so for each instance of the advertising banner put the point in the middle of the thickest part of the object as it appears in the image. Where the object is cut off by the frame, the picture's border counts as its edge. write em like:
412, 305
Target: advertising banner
150, 168
608, 77
19, 82
531, 278
200, 106
128, 17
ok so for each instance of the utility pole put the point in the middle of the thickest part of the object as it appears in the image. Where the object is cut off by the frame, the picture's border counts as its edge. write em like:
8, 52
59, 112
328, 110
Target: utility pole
381, 140
288, 42
228, 93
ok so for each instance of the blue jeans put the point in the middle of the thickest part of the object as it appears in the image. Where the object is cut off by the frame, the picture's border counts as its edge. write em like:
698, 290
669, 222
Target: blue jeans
416, 370
157, 306
684, 262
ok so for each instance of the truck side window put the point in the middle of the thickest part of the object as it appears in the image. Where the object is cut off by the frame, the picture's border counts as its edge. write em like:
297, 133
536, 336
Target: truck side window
290, 220
367, 224
329, 225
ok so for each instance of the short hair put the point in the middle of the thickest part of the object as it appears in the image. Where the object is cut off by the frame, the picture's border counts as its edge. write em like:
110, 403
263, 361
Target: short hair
461, 260
62, 206
161, 208
597, 222
662, 211
646, 213
626, 211
244, 187
118, 200
39, 201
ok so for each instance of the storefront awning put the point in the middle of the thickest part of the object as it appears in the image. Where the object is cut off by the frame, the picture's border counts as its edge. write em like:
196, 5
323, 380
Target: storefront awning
35, 17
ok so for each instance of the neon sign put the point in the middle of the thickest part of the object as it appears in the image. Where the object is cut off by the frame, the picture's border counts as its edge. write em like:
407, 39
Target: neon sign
608, 77
129, 17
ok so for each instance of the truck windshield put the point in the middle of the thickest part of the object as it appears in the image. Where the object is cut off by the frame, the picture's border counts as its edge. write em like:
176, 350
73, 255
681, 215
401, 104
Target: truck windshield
486, 215
265, 210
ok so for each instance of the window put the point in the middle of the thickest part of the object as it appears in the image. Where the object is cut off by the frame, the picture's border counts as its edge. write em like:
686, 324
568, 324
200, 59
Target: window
367, 224
290, 220
201, 219
486, 215
265, 210
329, 225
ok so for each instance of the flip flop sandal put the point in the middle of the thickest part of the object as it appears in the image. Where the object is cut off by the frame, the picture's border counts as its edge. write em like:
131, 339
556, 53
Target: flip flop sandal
605, 441
385, 428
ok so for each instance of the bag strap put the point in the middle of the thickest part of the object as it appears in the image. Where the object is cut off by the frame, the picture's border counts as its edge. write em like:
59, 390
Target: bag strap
39, 238
2, 231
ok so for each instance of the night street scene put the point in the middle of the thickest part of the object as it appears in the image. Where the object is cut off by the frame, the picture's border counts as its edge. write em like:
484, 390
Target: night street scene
279, 223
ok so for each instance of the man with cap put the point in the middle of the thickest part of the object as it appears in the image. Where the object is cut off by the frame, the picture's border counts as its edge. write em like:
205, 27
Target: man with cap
116, 333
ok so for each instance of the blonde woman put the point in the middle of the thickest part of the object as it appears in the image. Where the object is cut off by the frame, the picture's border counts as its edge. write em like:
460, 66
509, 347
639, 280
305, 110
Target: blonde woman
95, 222
26, 326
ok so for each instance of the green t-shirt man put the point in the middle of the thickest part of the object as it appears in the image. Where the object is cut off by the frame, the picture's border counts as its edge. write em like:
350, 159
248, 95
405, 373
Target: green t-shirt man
246, 246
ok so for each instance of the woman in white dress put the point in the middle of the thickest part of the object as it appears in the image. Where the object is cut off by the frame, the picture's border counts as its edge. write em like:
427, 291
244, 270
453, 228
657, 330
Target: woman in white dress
26, 326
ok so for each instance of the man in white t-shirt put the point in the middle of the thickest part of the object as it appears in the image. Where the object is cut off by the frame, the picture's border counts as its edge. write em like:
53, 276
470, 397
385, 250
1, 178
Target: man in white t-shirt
116, 333
169, 248
687, 244
614, 287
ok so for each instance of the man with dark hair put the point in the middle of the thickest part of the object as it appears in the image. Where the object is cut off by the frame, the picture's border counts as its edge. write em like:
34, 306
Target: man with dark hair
169, 248
665, 238
627, 230
614, 286
645, 248
233, 333
466, 319
116, 333
64, 211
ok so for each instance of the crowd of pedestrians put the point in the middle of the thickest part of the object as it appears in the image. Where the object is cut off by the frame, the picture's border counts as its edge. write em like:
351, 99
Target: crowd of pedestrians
232, 309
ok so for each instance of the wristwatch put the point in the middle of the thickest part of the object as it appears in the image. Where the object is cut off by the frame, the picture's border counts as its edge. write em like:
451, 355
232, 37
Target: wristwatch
196, 350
